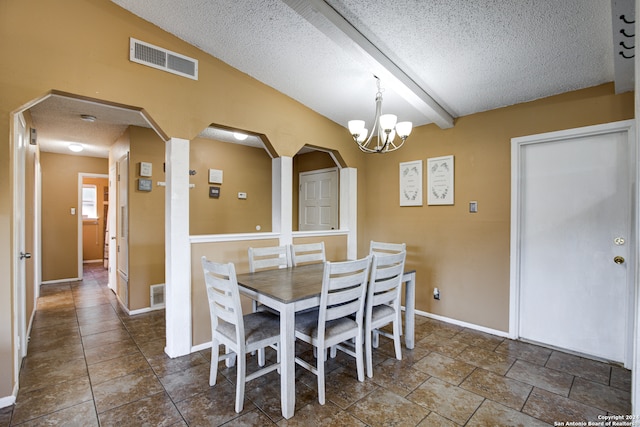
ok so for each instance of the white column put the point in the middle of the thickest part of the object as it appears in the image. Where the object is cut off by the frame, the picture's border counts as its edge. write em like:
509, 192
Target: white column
282, 198
177, 249
349, 209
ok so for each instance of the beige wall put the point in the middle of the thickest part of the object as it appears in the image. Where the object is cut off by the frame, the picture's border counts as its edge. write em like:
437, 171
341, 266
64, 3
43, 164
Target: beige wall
59, 227
467, 255
245, 169
146, 217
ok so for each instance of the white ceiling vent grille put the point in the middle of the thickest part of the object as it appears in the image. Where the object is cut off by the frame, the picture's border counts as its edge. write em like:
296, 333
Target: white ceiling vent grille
162, 59
157, 295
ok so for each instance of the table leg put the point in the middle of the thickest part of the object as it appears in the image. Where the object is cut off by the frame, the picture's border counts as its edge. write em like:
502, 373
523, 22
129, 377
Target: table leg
287, 361
410, 308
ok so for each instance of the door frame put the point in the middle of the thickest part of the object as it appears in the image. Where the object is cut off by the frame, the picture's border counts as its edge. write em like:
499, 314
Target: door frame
517, 144
81, 177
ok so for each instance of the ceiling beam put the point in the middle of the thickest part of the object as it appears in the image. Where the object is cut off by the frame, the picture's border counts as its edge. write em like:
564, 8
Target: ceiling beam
337, 28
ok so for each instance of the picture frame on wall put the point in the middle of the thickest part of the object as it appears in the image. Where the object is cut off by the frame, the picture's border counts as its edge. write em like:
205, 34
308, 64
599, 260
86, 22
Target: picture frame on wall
440, 173
411, 183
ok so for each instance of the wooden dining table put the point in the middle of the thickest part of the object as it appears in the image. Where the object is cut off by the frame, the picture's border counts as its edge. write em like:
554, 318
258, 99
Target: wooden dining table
289, 290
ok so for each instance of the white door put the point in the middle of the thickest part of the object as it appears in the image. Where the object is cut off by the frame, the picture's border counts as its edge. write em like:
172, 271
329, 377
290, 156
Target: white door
19, 249
112, 234
318, 200
123, 217
574, 229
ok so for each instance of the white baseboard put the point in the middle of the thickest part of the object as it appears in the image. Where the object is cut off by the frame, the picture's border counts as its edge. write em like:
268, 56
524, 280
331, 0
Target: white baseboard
138, 311
91, 261
71, 279
8, 401
479, 328
202, 346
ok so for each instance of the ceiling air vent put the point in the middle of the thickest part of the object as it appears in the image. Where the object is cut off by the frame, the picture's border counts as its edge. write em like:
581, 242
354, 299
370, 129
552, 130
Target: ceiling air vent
162, 59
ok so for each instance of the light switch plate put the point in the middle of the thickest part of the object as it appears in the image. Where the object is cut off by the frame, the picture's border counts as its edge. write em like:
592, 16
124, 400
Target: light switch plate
473, 207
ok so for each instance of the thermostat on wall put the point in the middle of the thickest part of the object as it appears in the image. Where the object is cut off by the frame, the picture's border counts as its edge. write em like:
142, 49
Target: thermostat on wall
215, 176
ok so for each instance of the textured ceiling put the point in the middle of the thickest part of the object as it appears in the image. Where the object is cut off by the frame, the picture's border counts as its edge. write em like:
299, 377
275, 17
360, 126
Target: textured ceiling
463, 56
470, 56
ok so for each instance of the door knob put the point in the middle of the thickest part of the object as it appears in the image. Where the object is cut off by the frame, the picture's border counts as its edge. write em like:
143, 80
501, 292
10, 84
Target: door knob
24, 255
618, 259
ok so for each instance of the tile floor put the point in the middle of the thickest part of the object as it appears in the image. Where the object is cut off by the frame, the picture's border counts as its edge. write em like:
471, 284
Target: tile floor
91, 364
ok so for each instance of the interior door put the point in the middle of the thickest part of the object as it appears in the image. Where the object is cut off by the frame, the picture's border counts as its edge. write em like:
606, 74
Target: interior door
318, 200
20, 251
123, 217
575, 242
112, 234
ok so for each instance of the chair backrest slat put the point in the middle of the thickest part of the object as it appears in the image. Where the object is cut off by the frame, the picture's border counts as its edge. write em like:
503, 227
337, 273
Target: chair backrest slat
269, 258
383, 248
307, 253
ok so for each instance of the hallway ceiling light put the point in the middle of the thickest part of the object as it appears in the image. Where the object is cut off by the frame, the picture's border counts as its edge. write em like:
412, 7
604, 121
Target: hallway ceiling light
387, 128
240, 136
88, 118
76, 148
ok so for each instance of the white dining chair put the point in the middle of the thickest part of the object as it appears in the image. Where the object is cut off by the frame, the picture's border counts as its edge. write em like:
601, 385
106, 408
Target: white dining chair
339, 318
383, 303
307, 253
266, 258
240, 334
386, 248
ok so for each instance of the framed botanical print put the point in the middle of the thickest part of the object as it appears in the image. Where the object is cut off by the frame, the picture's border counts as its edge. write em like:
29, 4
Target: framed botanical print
411, 183
440, 180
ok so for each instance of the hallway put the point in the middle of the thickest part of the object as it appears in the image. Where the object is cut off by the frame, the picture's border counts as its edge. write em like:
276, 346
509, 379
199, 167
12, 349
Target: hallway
90, 364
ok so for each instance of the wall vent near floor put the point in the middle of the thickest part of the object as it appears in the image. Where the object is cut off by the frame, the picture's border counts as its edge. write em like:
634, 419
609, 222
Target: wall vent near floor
157, 295
162, 59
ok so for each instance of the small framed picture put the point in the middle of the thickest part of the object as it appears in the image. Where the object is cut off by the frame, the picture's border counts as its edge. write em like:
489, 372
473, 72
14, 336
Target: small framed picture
440, 180
146, 169
411, 183
144, 184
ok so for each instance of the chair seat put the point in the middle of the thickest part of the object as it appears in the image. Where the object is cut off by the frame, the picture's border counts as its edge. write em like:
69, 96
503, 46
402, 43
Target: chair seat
307, 324
257, 327
381, 312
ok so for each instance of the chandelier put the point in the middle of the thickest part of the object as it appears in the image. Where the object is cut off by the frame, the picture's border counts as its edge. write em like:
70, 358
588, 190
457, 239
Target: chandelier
387, 129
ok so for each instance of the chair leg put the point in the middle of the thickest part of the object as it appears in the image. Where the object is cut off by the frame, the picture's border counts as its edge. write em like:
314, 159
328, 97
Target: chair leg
376, 338
320, 368
369, 353
396, 339
213, 370
231, 360
359, 357
261, 357
240, 382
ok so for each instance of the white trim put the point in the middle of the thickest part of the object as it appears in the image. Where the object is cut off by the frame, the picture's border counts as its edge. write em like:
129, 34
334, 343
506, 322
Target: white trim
200, 347
138, 311
514, 288
282, 198
320, 233
463, 324
349, 209
177, 249
209, 238
8, 400
50, 282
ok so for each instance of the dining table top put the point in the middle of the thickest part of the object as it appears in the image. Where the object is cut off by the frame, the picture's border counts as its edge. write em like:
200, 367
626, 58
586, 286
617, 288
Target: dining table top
286, 284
